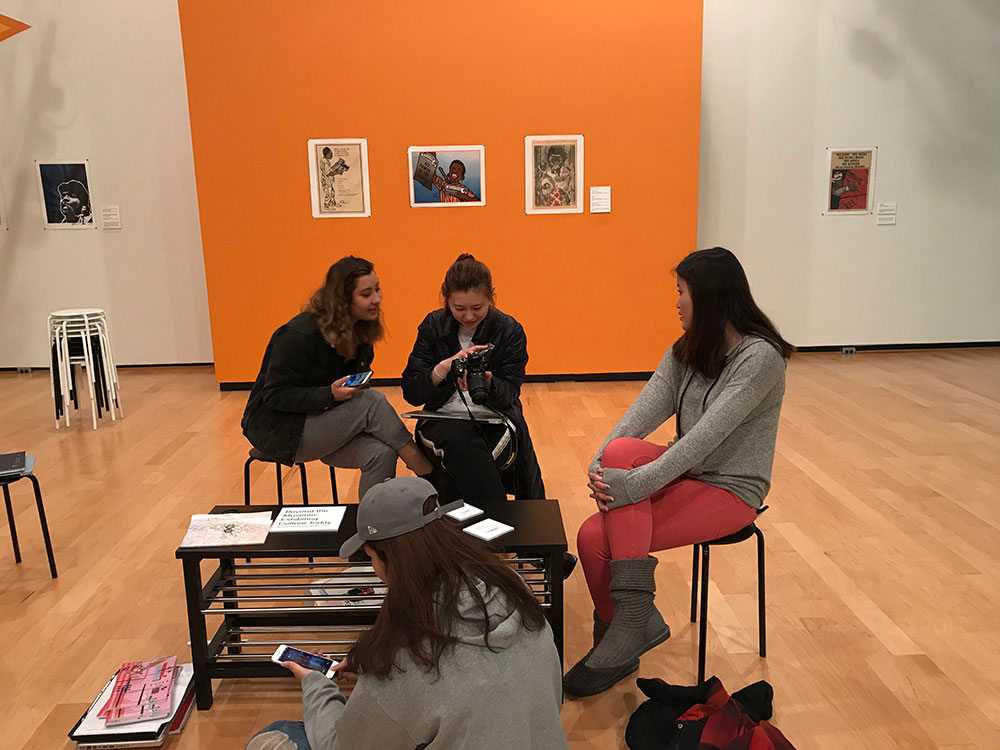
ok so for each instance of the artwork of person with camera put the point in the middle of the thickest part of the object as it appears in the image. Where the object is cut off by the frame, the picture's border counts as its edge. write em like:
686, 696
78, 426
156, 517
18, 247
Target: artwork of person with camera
469, 358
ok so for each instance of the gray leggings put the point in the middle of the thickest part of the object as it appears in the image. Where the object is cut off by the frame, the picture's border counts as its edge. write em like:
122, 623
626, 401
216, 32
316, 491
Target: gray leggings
363, 432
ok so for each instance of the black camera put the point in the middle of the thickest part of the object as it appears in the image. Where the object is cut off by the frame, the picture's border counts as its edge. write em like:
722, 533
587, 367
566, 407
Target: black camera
474, 366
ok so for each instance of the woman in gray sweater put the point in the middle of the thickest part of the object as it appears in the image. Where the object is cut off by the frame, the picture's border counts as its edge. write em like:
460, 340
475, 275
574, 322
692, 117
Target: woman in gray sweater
724, 379
460, 656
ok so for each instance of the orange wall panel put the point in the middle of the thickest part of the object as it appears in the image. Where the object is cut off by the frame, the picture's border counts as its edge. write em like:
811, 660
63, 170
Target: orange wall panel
594, 292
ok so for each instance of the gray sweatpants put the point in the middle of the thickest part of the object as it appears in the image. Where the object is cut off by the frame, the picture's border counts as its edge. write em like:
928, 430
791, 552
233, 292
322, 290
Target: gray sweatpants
364, 433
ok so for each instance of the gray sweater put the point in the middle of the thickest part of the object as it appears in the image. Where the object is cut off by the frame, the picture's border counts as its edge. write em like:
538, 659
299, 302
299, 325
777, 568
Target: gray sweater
727, 427
507, 699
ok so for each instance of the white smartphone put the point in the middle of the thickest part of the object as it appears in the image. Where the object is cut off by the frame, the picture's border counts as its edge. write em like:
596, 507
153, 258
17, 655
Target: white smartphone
358, 379
303, 658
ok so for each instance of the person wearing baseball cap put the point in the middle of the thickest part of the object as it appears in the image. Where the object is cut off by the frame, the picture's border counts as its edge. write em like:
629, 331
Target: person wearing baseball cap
458, 628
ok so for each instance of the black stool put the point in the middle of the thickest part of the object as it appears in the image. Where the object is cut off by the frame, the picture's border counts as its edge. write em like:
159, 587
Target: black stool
740, 536
256, 455
5, 482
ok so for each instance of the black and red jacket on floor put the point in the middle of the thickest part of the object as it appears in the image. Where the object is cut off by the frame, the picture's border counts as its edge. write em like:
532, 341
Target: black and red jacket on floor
704, 717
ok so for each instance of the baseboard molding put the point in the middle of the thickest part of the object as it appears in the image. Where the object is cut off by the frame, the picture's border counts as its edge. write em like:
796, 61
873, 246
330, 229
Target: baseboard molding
236, 386
594, 377
122, 367
555, 378
900, 347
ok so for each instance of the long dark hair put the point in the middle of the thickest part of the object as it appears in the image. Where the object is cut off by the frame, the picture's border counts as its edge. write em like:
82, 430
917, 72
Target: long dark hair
720, 294
330, 305
427, 571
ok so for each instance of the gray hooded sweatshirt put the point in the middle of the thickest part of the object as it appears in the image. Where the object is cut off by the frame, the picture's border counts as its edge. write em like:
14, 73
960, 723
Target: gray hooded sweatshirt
505, 699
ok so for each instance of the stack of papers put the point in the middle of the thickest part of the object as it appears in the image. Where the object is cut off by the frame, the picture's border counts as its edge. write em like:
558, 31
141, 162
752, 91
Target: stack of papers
215, 529
92, 730
143, 690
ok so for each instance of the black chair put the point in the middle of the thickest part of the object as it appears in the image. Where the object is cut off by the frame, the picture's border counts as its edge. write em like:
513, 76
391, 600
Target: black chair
740, 536
5, 482
256, 455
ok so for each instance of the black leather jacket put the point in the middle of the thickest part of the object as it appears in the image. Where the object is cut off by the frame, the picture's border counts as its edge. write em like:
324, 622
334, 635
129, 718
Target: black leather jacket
293, 382
437, 339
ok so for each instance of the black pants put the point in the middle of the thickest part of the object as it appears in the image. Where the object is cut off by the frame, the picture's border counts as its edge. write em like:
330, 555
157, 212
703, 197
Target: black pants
469, 472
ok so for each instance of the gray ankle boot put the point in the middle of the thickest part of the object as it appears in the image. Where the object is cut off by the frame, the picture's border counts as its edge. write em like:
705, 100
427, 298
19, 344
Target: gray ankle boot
634, 630
582, 681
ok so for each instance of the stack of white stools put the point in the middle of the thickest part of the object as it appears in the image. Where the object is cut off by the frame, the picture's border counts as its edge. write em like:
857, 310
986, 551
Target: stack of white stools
81, 337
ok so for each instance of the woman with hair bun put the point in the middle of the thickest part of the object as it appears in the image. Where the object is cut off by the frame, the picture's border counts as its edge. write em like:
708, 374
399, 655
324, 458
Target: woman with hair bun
300, 408
467, 324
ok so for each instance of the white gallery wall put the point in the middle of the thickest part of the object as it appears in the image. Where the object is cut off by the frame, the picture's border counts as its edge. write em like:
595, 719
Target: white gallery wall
102, 81
920, 79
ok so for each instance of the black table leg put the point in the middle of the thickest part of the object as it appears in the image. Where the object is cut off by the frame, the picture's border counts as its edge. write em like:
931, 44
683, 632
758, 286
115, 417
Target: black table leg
10, 520
45, 525
555, 566
197, 631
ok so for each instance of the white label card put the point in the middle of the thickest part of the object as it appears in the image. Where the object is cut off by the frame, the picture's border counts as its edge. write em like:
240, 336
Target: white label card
111, 217
465, 512
309, 519
600, 200
488, 529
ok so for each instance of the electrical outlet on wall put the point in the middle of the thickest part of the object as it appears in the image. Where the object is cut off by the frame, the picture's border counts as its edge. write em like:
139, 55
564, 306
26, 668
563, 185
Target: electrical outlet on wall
847, 350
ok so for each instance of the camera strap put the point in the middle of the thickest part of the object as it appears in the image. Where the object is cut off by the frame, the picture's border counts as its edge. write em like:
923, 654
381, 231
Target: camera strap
511, 430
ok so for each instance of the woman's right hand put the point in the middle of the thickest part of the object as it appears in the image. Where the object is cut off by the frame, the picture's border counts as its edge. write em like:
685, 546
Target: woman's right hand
442, 368
341, 393
598, 489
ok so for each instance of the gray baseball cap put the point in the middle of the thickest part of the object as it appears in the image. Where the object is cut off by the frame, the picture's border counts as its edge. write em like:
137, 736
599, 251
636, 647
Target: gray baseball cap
393, 508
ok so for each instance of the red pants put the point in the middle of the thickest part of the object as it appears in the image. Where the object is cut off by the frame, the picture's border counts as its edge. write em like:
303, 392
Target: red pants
684, 512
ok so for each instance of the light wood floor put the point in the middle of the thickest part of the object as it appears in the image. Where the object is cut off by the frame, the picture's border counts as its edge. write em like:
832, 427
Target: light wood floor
883, 566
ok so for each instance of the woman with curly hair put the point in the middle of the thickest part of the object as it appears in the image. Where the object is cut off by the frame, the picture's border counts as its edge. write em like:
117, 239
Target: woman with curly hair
300, 408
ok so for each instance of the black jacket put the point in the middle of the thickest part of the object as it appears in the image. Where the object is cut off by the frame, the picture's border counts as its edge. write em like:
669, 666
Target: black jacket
437, 339
294, 382
704, 716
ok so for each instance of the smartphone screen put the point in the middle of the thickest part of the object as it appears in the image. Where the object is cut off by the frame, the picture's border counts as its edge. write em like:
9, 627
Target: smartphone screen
309, 661
358, 378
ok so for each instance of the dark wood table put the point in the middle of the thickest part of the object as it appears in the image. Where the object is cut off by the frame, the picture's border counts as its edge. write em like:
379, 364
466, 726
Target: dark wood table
253, 590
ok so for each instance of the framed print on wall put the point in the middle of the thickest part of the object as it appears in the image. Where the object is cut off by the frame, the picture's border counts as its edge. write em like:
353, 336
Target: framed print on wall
851, 180
553, 174
447, 176
338, 178
64, 190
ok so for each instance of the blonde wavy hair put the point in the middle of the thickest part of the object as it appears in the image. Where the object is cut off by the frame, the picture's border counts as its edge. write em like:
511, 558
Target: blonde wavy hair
330, 305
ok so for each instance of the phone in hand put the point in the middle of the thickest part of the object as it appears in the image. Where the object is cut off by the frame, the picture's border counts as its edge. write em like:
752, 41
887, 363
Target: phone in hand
303, 658
358, 379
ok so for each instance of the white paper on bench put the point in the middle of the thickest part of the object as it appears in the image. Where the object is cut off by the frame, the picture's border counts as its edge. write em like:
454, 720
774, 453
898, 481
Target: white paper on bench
309, 519
488, 529
465, 512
